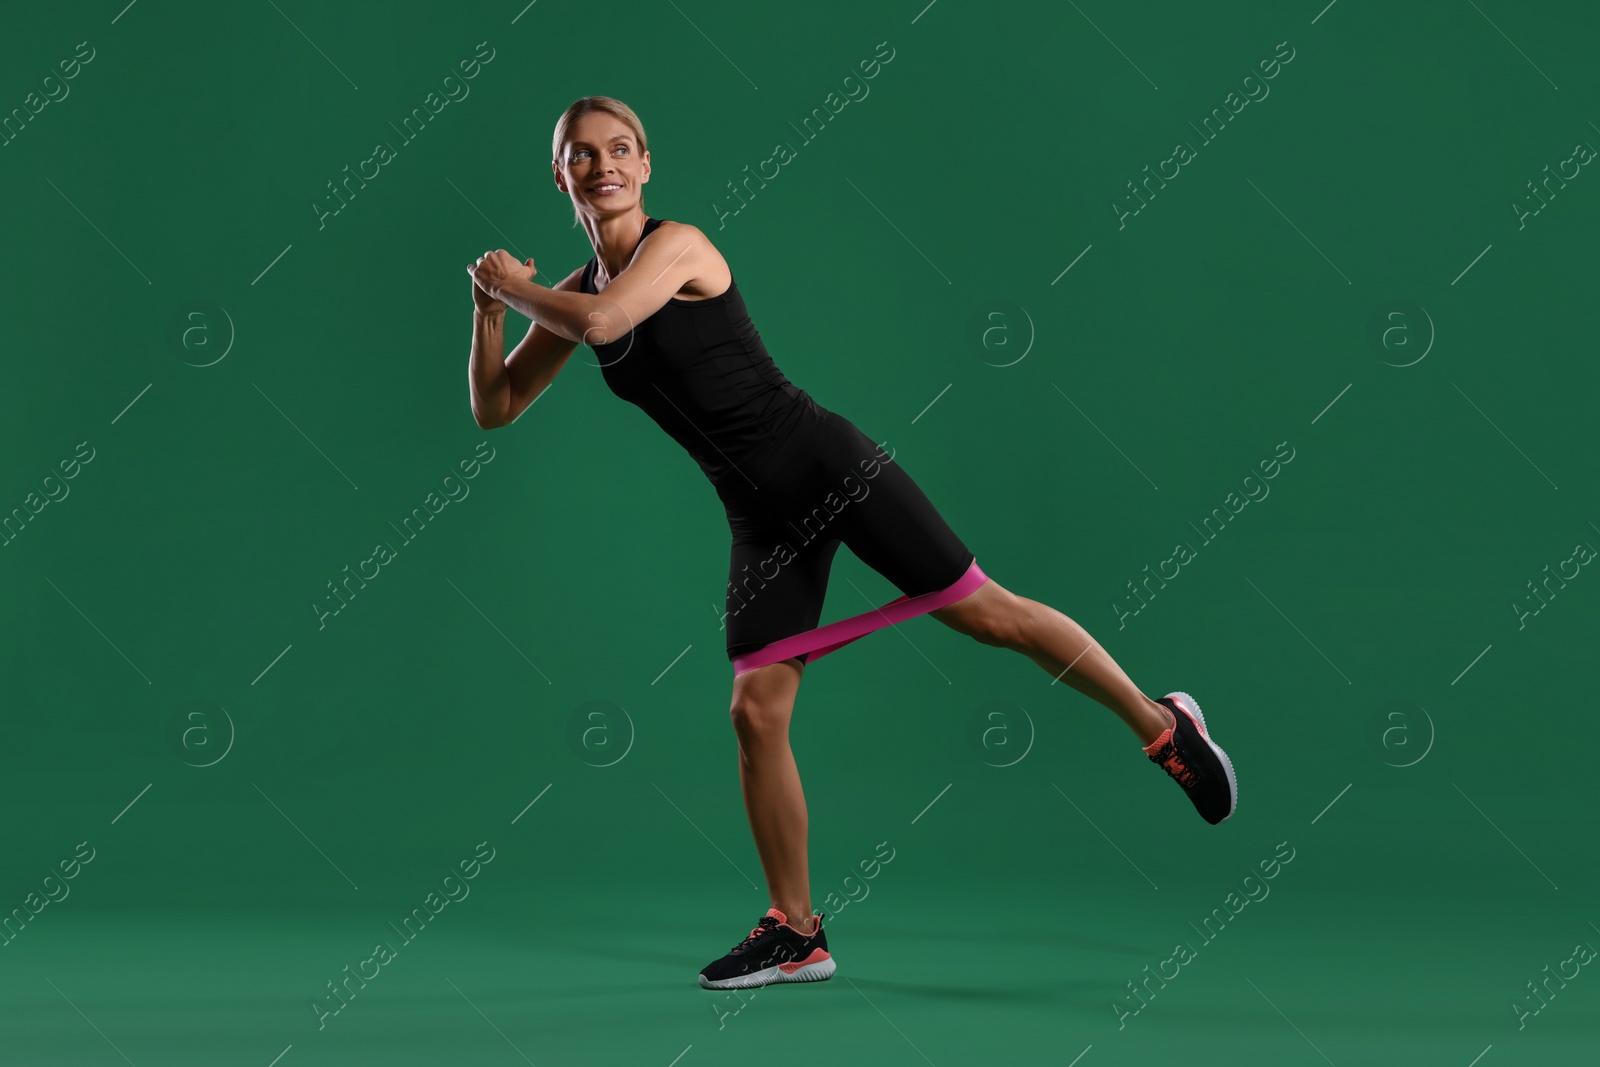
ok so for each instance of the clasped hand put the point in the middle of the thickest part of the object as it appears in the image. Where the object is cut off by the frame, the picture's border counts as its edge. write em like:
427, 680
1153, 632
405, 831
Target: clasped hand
492, 271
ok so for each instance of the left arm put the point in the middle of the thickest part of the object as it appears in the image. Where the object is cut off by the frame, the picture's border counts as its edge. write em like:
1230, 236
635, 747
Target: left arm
670, 258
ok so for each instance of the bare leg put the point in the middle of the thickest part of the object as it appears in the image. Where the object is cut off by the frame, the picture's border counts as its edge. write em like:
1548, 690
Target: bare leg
999, 617
763, 703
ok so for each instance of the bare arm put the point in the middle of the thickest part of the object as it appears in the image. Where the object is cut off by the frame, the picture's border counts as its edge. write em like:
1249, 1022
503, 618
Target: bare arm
674, 255
502, 388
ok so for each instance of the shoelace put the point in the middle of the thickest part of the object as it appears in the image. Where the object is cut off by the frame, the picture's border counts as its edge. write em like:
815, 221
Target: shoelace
1173, 764
762, 928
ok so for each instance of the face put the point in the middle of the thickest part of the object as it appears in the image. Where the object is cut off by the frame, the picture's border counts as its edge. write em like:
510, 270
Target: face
601, 167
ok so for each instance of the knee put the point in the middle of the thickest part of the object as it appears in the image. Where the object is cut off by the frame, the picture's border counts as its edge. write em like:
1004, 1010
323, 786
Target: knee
1001, 623
757, 720
998, 631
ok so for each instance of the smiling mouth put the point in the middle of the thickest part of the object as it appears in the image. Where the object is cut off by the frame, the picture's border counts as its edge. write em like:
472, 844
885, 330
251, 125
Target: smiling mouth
606, 189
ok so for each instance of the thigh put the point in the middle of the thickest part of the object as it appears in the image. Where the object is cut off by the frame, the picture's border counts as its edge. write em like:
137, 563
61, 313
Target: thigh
777, 581
892, 526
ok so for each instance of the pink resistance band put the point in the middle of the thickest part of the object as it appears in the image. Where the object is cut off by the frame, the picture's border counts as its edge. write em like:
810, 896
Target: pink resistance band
835, 635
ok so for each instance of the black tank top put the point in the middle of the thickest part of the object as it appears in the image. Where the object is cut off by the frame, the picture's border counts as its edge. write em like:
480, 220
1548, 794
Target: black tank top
701, 371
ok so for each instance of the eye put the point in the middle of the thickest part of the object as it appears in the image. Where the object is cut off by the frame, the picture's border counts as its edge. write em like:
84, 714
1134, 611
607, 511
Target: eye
622, 148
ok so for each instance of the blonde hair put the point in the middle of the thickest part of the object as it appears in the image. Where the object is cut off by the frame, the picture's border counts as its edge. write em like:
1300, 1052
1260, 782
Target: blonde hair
611, 106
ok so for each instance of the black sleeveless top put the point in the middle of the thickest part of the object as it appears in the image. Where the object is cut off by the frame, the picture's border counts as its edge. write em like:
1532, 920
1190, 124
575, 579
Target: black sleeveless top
701, 371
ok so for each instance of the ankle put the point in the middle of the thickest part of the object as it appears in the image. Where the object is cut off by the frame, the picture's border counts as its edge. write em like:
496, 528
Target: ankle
1161, 719
806, 925
1168, 715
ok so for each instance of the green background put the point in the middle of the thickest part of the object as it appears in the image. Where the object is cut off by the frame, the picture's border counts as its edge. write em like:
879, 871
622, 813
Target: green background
1350, 637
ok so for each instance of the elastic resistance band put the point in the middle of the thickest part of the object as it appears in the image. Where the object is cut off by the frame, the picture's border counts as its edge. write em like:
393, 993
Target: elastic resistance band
835, 635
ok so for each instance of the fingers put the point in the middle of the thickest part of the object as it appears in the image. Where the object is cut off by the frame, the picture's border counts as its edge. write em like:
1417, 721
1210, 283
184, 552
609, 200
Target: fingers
473, 268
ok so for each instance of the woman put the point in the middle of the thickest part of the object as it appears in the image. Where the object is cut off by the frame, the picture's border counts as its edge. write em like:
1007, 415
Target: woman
659, 307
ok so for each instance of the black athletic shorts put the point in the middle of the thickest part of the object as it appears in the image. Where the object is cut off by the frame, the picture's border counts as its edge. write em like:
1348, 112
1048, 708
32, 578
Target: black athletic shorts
825, 484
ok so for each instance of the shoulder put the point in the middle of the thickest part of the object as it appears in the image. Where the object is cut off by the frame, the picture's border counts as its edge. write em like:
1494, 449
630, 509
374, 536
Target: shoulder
705, 264
676, 233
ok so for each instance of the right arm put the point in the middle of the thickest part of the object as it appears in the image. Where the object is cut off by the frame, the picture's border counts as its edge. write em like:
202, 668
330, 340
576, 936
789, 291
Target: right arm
502, 388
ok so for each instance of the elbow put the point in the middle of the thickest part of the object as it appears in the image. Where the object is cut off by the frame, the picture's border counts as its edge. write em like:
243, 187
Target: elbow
484, 421
595, 330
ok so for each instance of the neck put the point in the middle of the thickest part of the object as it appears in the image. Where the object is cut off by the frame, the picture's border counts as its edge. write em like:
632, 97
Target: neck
615, 239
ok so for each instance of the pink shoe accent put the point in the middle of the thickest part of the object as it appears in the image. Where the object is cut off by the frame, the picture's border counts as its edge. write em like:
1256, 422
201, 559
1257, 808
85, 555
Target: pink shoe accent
817, 956
816, 923
1182, 707
1155, 746
775, 914
784, 919
835, 635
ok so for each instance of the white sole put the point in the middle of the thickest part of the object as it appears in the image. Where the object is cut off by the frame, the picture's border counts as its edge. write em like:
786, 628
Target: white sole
1227, 764
811, 972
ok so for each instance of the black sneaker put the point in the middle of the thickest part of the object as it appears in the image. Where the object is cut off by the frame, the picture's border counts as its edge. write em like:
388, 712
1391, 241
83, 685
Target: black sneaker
773, 951
1187, 753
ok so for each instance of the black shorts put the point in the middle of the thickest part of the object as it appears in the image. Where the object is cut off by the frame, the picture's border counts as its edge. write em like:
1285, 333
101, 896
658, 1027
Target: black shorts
827, 484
